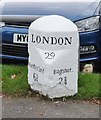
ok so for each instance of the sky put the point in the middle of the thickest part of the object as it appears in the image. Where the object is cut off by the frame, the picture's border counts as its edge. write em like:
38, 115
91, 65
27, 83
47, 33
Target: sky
48, 0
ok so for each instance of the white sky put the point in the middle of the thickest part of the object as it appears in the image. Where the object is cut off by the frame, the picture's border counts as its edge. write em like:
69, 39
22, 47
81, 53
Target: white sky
48, 0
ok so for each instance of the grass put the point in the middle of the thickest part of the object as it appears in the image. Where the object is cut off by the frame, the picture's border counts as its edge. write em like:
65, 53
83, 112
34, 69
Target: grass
14, 82
0, 79
89, 86
14, 79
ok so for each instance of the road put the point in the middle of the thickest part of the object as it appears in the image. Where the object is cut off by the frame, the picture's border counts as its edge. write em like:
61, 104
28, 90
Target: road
40, 108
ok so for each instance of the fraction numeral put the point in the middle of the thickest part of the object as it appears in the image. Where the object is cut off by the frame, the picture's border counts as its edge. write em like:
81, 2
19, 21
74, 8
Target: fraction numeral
63, 80
35, 77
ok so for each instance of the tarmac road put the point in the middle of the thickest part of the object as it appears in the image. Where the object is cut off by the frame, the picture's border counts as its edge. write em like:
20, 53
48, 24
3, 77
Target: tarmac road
40, 108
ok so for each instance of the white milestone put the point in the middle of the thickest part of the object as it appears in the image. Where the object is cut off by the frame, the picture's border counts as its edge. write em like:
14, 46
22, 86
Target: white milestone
53, 47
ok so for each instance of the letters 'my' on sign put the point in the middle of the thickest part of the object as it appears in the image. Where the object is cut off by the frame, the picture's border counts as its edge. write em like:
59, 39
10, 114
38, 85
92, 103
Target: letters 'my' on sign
53, 56
20, 38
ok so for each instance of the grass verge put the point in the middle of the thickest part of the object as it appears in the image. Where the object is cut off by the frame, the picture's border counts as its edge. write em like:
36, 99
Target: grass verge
14, 82
14, 79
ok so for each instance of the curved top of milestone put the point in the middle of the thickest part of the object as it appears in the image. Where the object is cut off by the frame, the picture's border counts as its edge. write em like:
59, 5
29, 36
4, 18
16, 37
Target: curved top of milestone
53, 23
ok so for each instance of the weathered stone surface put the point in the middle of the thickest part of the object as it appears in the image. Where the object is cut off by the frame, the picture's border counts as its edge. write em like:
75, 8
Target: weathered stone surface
53, 56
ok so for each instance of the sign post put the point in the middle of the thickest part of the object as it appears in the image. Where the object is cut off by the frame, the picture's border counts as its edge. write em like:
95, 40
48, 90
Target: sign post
53, 48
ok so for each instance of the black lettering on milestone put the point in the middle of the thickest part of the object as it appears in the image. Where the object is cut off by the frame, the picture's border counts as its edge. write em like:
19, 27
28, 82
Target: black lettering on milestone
68, 40
50, 40
53, 40
33, 38
38, 39
19, 38
60, 41
45, 40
